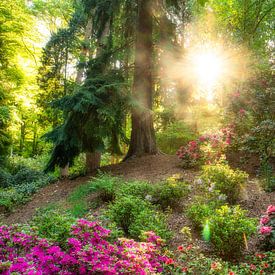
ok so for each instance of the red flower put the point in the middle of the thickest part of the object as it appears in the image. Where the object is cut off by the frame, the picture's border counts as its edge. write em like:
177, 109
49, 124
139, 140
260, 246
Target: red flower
265, 265
261, 256
231, 273
184, 269
169, 261
189, 247
180, 248
214, 265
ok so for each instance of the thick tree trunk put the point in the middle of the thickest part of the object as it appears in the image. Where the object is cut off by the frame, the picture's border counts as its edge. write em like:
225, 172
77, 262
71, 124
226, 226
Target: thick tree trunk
143, 140
92, 161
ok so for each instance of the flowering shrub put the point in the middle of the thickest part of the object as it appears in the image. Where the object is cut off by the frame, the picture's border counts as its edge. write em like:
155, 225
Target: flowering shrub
208, 148
192, 261
88, 252
267, 228
224, 179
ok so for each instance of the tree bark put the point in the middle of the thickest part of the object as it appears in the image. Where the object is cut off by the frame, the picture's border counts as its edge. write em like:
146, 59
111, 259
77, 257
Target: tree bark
143, 140
92, 161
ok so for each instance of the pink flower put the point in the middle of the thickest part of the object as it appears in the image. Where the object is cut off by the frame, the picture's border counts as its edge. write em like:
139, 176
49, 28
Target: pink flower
265, 230
270, 209
253, 267
242, 112
264, 220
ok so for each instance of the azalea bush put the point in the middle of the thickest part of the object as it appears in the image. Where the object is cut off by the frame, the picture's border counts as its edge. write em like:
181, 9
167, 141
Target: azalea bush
224, 179
208, 148
267, 228
88, 252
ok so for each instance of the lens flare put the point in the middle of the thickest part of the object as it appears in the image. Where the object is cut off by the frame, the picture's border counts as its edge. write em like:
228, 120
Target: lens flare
206, 231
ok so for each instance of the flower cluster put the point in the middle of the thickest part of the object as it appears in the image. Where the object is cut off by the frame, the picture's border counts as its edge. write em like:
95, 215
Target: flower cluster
207, 148
267, 228
88, 252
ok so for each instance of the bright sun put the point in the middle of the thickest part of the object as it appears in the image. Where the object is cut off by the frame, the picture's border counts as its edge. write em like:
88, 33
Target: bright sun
208, 70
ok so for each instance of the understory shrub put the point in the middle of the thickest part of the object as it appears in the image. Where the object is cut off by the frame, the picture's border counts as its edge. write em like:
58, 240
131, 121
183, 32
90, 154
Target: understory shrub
54, 225
267, 228
191, 261
88, 251
18, 186
166, 194
207, 149
135, 216
169, 193
175, 135
224, 179
229, 229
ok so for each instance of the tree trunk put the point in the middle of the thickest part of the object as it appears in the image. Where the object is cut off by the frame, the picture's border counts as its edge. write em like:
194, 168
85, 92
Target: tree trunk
143, 140
92, 161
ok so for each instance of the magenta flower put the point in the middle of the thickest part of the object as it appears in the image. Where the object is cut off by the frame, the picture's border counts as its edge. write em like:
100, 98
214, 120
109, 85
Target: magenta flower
270, 209
265, 230
264, 220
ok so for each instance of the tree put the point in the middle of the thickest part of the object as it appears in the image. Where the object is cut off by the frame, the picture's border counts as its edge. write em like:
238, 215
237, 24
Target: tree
143, 140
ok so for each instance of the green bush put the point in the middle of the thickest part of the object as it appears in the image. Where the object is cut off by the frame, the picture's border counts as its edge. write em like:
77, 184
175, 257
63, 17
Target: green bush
134, 215
169, 193
106, 186
177, 134
9, 197
138, 189
224, 179
229, 227
203, 207
54, 225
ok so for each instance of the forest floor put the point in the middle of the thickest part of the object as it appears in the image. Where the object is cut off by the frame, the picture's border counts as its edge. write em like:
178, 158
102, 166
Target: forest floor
148, 168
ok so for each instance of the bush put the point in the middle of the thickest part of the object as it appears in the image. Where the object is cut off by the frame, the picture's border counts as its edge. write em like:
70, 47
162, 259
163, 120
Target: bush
224, 179
204, 207
267, 228
140, 189
53, 224
169, 193
89, 251
229, 227
9, 197
176, 135
135, 215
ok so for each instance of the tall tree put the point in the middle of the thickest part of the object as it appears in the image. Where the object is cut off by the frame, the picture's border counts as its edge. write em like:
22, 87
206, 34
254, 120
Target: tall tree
143, 140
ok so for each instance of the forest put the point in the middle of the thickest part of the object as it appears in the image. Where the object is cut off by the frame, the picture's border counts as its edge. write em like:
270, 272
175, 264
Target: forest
137, 137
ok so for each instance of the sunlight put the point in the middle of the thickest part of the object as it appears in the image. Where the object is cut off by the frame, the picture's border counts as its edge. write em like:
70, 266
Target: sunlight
208, 69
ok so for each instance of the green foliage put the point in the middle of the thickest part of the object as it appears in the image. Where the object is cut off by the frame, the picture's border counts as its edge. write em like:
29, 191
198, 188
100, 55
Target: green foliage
136, 216
199, 213
54, 225
169, 193
18, 184
175, 135
228, 229
224, 179
9, 197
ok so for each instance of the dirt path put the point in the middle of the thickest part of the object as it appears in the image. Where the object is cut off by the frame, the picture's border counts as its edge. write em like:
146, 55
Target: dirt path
150, 168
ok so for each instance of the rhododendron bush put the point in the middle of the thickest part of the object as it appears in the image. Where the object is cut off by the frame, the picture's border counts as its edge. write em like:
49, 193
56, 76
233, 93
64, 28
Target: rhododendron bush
207, 148
88, 252
267, 228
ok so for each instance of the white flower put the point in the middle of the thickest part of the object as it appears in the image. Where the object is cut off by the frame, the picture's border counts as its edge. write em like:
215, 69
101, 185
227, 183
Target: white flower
148, 197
